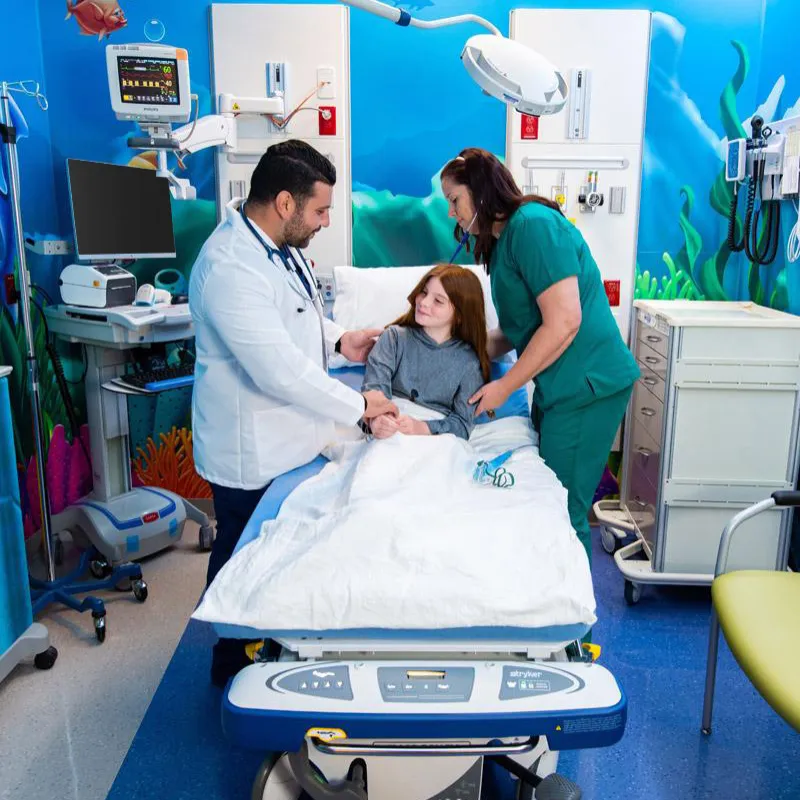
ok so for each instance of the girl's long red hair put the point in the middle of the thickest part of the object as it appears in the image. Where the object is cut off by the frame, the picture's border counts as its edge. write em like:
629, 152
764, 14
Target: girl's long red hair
464, 289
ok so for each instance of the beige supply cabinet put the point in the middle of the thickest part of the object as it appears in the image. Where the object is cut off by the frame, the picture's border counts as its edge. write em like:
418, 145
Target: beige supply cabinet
712, 427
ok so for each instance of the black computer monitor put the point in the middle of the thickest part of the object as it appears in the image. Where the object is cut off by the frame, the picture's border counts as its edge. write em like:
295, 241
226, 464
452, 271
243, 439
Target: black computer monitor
119, 213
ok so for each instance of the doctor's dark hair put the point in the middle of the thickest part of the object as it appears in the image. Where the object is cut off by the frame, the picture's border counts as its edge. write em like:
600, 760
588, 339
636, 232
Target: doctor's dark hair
495, 195
291, 166
464, 289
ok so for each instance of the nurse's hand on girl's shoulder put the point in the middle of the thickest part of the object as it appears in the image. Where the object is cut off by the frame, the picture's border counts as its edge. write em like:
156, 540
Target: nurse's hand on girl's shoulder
491, 396
356, 345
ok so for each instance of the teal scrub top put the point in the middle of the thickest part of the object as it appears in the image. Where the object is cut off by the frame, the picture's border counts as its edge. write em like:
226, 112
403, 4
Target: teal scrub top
537, 248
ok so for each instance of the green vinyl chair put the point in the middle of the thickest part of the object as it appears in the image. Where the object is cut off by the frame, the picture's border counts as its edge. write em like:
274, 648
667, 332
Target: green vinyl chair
758, 611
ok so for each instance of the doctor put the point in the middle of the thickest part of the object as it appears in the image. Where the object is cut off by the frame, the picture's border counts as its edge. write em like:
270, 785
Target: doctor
263, 402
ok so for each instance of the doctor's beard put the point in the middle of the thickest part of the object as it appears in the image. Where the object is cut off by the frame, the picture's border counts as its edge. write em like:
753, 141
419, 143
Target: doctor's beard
297, 233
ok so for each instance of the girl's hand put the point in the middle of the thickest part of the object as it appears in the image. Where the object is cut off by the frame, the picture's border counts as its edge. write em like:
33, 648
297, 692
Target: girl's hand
383, 427
489, 397
412, 427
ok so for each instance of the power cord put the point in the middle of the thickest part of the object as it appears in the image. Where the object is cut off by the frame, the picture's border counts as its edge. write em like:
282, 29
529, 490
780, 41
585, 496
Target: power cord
793, 248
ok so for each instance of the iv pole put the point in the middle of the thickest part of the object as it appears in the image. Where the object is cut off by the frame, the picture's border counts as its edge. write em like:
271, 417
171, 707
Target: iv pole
9, 136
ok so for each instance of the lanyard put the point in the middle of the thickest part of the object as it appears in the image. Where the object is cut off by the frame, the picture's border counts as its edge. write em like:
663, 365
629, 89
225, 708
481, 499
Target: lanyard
285, 257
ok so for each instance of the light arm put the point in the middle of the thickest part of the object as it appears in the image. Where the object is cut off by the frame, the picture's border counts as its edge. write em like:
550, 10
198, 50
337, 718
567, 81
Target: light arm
221, 129
403, 18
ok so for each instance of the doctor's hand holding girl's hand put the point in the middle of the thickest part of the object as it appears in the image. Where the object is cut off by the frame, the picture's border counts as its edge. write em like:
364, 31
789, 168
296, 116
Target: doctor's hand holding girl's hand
385, 426
377, 405
412, 427
356, 345
491, 396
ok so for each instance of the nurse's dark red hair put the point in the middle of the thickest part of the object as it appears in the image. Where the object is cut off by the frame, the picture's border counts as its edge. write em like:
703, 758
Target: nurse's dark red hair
495, 195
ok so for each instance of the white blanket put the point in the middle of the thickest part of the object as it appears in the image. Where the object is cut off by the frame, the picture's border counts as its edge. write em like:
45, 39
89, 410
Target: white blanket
396, 534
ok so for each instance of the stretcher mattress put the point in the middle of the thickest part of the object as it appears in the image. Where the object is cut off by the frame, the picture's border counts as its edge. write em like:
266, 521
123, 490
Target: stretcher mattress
269, 508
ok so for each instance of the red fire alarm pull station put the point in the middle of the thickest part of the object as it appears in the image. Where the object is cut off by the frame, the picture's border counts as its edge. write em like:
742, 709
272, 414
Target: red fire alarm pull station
327, 120
530, 127
612, 292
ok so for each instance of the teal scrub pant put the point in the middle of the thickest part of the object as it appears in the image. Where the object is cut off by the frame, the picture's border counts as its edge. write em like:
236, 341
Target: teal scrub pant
575, 444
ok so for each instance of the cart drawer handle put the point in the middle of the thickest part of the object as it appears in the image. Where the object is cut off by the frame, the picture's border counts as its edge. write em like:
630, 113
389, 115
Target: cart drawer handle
654, 339
649, 381
644, 451
648, 412
651, 359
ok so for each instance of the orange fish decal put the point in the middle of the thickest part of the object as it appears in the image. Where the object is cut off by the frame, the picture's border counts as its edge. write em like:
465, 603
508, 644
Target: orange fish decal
97, 17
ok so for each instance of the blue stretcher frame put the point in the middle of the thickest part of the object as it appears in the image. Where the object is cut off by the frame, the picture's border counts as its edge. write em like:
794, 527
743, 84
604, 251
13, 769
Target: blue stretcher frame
270, 505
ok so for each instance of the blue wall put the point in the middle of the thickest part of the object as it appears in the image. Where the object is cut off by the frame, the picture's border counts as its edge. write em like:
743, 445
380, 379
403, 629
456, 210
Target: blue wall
420, 108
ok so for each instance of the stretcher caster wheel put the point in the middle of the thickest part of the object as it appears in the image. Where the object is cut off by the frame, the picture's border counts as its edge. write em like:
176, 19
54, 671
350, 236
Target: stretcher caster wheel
140, 590
275, 781
100, 568
46, 659
100, 626
633, 593
555, 787
206, 537
609, 540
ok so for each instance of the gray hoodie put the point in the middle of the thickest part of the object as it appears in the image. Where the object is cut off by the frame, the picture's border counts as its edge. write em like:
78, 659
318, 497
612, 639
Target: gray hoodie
406, 362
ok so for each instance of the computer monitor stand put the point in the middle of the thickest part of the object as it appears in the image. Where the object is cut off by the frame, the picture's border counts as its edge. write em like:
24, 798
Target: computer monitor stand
124, 523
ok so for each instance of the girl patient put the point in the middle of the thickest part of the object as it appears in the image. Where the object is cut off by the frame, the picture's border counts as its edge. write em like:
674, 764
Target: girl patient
435, 355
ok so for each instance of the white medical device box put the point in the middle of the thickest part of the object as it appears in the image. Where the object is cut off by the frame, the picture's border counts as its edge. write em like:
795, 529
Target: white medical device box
102, 286
149, 82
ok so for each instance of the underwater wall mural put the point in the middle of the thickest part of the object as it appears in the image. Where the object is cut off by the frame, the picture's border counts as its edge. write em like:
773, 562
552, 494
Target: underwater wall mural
708, 76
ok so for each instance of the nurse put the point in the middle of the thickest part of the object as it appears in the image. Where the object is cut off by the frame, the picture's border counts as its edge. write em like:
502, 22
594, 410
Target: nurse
553, 311
263, 402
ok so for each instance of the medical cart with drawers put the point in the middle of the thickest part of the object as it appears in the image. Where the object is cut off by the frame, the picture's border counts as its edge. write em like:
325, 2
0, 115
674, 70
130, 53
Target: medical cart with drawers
712, 427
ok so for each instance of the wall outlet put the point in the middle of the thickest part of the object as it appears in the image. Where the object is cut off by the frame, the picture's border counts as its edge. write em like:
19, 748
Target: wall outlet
327, 286
48, 247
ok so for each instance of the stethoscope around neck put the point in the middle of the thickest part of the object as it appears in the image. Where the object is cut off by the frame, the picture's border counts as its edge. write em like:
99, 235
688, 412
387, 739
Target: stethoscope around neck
292, 269
464, 239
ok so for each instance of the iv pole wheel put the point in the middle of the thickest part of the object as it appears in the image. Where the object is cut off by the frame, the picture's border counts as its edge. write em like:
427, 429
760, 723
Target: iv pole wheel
100, 626
46, 659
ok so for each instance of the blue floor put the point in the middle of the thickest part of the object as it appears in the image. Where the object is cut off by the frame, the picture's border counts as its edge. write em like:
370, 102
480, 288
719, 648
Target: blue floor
655, 649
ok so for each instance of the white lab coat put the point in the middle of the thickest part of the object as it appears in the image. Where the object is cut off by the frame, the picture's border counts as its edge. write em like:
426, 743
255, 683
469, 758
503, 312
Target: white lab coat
263, 402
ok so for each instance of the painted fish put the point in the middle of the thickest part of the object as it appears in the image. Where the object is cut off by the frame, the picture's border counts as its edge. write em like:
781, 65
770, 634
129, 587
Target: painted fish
97, 17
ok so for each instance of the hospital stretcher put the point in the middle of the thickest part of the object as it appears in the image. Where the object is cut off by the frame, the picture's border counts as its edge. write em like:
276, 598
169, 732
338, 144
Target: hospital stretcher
389, 714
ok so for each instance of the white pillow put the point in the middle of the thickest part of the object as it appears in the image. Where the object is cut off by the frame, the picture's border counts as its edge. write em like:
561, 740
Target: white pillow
373, 297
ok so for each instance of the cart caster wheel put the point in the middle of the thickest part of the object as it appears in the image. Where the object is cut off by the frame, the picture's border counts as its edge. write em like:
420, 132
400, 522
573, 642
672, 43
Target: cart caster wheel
275, 780
633, 593
206, 537
100, 568
609, 540
46, 659
100, 628
140, 590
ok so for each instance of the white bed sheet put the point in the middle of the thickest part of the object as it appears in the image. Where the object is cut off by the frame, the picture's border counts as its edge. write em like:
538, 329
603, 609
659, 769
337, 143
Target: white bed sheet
395, 534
